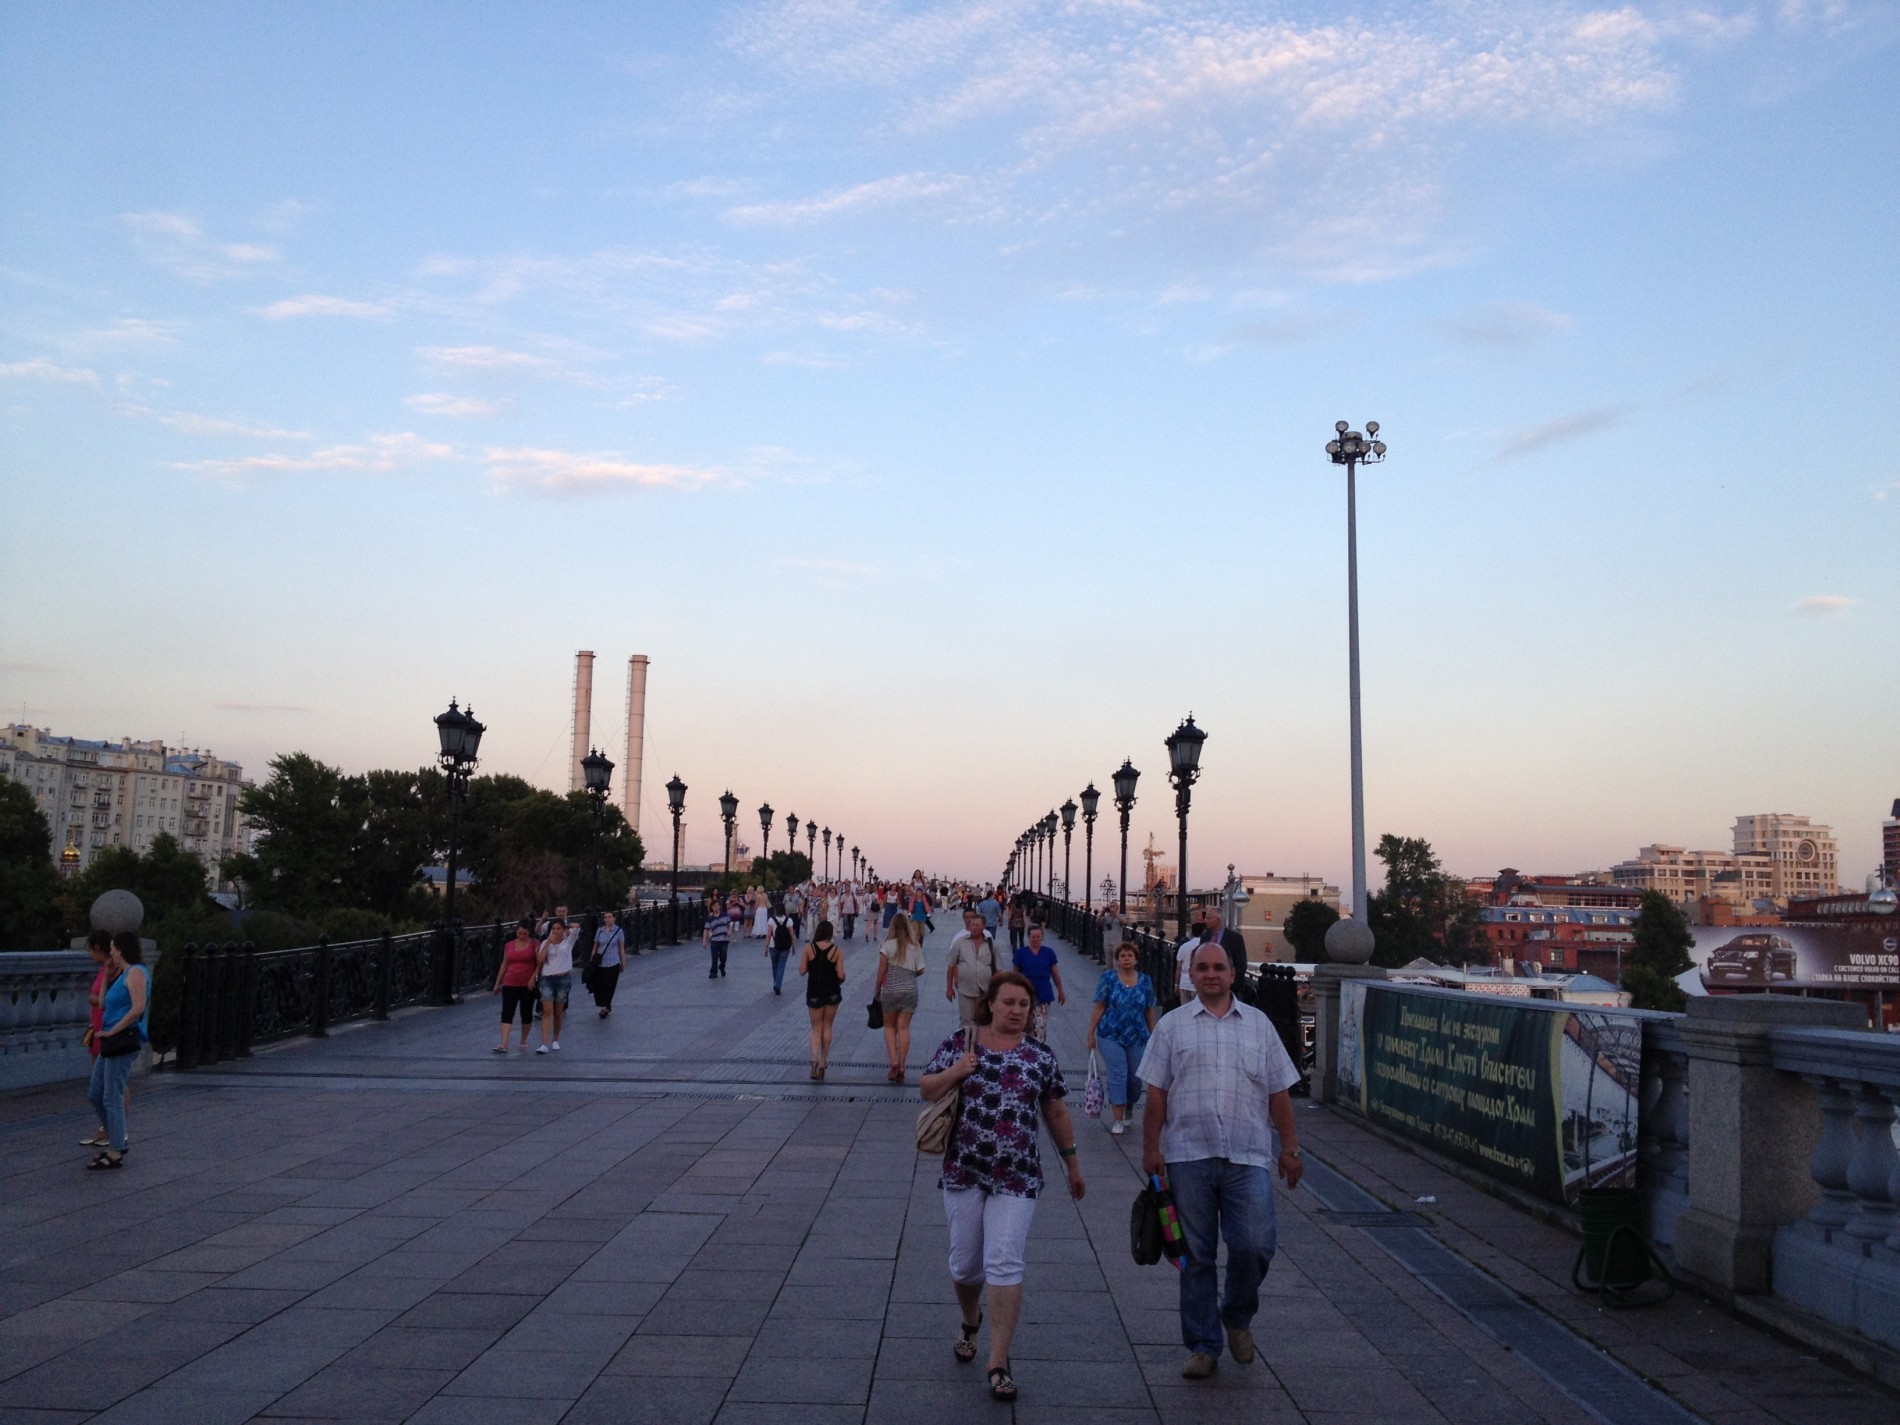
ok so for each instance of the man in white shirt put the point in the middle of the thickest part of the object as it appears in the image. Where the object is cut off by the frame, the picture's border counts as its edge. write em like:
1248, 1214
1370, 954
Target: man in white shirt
1217, 1074
972, 962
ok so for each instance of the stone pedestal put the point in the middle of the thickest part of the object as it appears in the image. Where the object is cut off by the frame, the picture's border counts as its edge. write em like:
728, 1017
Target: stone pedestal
1326, 982
1751, 1133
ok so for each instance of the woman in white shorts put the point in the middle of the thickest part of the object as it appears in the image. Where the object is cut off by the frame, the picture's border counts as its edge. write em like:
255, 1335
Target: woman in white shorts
992, 1170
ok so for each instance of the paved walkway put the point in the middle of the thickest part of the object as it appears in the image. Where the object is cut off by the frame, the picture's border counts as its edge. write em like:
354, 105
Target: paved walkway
668, 1222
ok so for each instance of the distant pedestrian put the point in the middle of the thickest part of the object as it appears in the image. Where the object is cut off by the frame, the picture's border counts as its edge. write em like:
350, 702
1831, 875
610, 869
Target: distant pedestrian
514, 982
716, 936
99, 946
123, 1031
1018, 922
822, 965
761, 912
920, 901
899, 964
992, 1171
848, 907
1124, 1017
1184, 961
991, 911
1111, 927
609, 955
555, 970
972, 964
1217, 1076
1216, 932
1036, 963
781, 938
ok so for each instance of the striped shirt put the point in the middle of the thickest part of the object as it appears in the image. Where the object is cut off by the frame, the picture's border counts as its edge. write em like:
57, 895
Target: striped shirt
1218, 1072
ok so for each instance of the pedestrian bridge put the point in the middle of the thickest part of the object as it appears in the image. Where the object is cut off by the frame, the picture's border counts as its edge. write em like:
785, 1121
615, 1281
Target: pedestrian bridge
668, 1221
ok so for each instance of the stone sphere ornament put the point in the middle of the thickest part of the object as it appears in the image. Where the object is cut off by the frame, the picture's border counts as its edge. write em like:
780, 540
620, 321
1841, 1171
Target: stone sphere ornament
1349, 942
116, 912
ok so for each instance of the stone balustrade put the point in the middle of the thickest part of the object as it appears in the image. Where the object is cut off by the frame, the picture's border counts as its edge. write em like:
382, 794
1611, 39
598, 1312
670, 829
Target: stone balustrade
43, 1013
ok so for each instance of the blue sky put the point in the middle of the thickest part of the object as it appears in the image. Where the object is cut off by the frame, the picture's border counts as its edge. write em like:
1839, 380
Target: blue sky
935, 393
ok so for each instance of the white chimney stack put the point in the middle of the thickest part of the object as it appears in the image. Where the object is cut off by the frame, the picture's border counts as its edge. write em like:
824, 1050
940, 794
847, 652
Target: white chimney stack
583, 718
636, 738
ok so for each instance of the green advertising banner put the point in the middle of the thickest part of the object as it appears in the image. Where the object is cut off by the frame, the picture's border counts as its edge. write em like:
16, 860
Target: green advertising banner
1472, 1075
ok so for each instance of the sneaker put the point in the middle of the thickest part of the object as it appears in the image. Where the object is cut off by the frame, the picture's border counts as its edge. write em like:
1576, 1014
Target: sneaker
557, 1043
1240, 1345
499, 1049
542, 1050
1199, 1366
1118, 1127
98, 1140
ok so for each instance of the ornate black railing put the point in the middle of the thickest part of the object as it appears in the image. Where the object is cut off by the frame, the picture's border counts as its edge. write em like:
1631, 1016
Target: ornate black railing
236, 996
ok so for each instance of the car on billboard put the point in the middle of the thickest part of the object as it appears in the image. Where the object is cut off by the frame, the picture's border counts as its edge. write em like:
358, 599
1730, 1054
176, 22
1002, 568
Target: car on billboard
1756, 958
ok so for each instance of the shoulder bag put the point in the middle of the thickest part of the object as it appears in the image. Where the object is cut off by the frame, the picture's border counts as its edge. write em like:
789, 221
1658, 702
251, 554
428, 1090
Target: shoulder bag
937, 1124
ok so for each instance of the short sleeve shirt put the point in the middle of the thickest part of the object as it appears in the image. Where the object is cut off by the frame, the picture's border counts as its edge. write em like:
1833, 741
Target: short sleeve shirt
1125, 1020
995, 1144
1218, 1072
975, 963
1039, 968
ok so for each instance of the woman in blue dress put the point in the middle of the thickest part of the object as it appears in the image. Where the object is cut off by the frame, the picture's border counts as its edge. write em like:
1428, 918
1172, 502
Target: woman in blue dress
1036, 962
1125, 1008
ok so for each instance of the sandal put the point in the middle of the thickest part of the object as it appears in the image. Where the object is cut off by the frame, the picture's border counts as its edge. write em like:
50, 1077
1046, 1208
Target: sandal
1002, 1387
965, 1348
104, 1161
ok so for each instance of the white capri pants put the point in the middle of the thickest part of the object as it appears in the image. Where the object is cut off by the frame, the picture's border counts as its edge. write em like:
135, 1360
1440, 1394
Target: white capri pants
989, 1233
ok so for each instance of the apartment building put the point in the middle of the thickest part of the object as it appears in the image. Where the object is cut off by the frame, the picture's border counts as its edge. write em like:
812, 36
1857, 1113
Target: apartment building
99, 794
1685, 876
1890, 847
1802, 857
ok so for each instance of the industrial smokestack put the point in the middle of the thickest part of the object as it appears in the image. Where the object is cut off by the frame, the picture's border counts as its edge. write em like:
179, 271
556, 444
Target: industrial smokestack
583, 717
636, 738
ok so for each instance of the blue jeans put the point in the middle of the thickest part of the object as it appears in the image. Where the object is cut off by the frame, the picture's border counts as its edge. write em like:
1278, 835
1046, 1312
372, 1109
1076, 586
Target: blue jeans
1219, 1201
107, 1093
1119, 1063
779, 957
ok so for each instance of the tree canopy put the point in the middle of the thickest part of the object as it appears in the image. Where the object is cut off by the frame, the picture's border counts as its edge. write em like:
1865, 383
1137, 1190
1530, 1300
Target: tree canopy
1305, 929
1659, 954
28, 880
1421, 912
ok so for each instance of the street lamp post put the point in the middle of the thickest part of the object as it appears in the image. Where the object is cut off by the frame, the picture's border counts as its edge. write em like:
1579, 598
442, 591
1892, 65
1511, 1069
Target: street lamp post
1125, 778
791, 832
1090, 800
1049, 824
1184, 768
854, 864
599, 775
827, 853
1351, 449
729, 814
811, 841
676, 803
461, 739
765, 829
1068, 835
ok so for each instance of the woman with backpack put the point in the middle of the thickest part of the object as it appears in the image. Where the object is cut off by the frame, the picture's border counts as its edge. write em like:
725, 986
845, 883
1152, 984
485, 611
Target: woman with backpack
822, 965
781, 936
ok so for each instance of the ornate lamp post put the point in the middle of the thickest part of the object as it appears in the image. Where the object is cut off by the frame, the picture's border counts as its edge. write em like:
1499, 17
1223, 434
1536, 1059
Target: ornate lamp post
1184, 768
791, 832
1125, 778
827, 853
1090, 800
1351, 449
1068, 835
599, 774
765, 829
811, 841
854, 863
1049, 824
729, 814
676, 803
461, 739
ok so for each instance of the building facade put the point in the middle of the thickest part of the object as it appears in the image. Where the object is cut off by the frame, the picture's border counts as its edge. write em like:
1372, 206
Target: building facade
1687, 876
99, 794
1803, 858
1890, 847
1270, 898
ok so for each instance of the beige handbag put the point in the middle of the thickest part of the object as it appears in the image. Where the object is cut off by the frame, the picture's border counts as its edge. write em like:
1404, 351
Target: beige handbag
937, 1124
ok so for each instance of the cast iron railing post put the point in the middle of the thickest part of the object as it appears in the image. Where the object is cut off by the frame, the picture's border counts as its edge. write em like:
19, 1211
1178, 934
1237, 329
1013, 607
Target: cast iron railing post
385, 955
247, 997
191, 1009
214, 1003
320, 991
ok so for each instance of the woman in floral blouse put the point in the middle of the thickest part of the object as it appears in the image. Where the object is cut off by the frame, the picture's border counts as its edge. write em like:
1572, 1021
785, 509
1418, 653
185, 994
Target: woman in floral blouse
1124, 1018
992, 1170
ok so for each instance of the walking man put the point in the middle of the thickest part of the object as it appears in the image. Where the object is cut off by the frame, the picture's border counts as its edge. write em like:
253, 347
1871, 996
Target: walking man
972, 962
1236, 946
1217, 1075
717, 937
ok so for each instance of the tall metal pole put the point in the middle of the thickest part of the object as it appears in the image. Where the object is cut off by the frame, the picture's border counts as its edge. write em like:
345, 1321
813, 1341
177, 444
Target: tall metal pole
1121, 889
1068, 834
1352, 658
1181, 793
1088, 864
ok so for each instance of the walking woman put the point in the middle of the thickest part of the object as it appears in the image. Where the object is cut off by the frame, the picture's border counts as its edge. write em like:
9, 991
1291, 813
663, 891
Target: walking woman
899, 964
761, 912
122, 1034
1018, 921
822, 965
1124, 1017
514, 982
609, 953
1037, 963
554, 967
992, 1170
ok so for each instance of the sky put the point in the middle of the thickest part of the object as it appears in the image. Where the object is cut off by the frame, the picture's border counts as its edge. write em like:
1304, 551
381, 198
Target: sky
936, 393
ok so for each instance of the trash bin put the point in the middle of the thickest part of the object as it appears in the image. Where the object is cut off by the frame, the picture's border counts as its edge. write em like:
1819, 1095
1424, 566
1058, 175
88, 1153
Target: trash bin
1614, 1255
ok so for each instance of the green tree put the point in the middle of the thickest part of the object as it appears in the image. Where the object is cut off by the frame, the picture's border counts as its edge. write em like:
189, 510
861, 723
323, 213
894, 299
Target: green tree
166, 878
775, 872
1421, 912
309, 819
404, 818
28, 880
1659, 954
1306, 927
